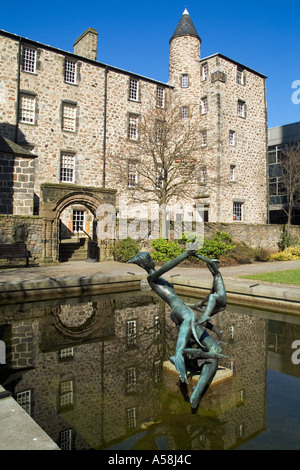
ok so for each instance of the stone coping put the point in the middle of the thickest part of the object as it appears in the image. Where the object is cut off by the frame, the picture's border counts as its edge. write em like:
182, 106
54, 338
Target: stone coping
18, 431
238, 291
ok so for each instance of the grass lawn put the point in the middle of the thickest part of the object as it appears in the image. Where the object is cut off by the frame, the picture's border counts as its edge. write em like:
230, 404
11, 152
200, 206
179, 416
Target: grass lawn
290, 276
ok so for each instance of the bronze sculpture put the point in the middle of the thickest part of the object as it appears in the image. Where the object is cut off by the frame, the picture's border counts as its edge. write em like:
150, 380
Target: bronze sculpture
183, 316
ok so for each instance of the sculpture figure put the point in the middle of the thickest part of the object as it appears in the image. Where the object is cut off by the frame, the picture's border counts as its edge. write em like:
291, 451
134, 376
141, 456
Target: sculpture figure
184, 317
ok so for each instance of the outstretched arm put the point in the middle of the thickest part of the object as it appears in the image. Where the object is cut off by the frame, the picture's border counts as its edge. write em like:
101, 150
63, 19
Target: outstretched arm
208, 261
170, 265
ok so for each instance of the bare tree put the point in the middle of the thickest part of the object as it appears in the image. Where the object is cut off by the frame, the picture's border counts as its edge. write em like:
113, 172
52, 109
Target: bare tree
166, 159
290, 178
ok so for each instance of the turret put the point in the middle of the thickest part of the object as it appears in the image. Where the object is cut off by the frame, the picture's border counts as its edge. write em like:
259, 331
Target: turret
184, 60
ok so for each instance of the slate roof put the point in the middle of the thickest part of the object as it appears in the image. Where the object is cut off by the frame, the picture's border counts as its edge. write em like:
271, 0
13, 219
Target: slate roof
7, 146
185, 27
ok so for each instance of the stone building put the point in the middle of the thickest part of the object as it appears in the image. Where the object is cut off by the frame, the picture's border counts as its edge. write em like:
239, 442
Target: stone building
78, 117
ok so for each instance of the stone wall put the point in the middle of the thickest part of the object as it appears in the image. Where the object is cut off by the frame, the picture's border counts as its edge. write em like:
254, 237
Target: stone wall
15, 229
254, 235
16, 184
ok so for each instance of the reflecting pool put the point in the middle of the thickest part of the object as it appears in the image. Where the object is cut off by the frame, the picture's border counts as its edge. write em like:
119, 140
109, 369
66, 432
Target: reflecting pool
92, 373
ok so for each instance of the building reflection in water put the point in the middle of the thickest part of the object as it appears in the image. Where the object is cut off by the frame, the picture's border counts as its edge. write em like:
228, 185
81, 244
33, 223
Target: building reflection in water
90, 372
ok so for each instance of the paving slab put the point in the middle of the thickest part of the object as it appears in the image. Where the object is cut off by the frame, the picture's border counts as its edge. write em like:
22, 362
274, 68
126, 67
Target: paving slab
18, 431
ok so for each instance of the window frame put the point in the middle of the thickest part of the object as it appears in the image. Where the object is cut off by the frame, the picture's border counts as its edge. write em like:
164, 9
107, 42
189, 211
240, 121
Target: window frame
65, 118
134, 92
133, 127
238, 215
160, 97
23, 111
204, 105
64, 167
74, 73
184, 80
241, 109
27, 61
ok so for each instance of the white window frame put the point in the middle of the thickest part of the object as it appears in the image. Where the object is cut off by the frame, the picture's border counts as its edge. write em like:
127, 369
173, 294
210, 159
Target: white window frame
78, 219
184, 80
67, 167
232, 172
232, 138
160, 97
184, 112
241, 109
132, 175
70, 71
66, 393
66, 353
131, 418
134, 89
204, 138
133, 127
29, 60
240, 76
69, 114
24, 400
204, 106
238, 211
27, 114
203, 174
131, 332
204, 72
65, 439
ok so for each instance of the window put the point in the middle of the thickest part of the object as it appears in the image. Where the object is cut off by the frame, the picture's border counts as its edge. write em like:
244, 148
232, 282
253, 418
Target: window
66, 393
238, 211
24, 400
157, 371
131, 333
131, 379
69, 117
232, 172
240, 76
159, 180
27, 109
132, 175
156, 326
204, 71
131, 418
133, 128
203, 175
66, 353
231, 138
184, 112
241, 109
78, 220
65, 440
184, 81
133, 89
70, 71
204, 105
160, 97
67, 168
29, 60
204, 138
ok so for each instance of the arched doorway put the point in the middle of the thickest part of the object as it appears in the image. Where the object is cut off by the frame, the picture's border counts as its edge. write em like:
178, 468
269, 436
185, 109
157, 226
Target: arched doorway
60, 199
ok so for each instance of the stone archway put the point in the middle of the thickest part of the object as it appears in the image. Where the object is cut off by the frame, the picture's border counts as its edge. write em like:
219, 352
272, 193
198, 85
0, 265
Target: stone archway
55, 198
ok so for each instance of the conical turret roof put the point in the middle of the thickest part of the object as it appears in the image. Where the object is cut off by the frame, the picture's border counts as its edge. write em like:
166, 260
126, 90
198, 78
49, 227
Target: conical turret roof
185, 27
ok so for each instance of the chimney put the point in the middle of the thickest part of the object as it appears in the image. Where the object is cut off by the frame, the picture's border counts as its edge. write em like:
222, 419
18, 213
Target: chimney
86, 44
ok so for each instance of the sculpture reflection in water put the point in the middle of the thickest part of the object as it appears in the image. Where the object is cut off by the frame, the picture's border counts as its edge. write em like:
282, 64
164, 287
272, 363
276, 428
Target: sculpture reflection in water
195, 349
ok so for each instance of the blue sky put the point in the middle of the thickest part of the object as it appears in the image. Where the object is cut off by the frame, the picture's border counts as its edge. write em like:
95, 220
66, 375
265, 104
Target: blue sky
134, 35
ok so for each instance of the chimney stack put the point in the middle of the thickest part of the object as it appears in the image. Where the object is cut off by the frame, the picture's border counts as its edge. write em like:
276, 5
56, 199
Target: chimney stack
86, 44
